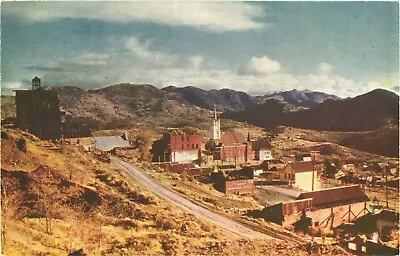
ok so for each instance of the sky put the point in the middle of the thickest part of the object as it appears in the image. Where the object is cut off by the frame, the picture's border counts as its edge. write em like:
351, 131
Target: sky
341, 48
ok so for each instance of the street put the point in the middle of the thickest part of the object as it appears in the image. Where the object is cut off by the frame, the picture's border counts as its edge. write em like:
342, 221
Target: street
187, 205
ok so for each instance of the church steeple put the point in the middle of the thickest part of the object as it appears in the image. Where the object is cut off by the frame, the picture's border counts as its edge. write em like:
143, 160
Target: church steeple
215, 132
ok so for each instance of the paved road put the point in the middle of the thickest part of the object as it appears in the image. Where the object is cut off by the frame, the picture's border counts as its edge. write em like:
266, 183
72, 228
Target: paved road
187, 205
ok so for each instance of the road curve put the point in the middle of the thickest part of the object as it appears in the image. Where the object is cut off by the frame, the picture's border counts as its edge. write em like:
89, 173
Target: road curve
187, 205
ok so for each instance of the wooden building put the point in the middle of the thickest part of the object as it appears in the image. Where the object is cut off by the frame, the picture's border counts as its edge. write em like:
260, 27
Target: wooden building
302, 175
38, 111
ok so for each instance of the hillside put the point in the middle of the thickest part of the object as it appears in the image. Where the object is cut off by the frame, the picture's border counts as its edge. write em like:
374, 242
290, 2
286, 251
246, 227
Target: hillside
303, 99
371, 111
223, 100
8, 109
128, 105
60, 200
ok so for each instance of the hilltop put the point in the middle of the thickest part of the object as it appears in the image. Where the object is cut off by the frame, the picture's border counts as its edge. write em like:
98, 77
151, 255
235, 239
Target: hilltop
222, 100
139, 105
302, 98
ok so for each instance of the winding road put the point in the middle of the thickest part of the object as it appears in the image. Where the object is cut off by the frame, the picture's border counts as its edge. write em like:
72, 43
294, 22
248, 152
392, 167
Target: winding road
186, 205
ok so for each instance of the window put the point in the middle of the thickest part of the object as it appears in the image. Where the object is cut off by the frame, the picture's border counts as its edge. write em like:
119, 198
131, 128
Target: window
182, 138
192, 145
182, 145
197, 145
187, 138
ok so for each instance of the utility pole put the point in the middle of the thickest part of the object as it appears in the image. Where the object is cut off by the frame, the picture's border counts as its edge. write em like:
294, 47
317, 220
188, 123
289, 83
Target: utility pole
313, 170
386, 184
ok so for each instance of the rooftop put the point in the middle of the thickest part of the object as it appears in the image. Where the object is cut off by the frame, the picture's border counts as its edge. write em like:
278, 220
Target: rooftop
261, 144
107, 143
232, 138
336, 196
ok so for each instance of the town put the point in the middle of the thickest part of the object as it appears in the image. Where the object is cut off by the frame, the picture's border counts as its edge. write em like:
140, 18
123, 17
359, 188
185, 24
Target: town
349, 202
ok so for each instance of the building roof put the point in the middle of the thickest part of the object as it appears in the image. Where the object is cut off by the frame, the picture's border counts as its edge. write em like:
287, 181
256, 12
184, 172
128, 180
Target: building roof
232, 138
388, 216
336, 196
299, 167
261, 144
107, 143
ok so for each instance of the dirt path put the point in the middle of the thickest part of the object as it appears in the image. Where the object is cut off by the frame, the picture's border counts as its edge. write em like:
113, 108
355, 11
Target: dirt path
187, 205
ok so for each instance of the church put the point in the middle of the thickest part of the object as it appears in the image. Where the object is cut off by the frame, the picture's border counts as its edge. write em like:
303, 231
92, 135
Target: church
228, 147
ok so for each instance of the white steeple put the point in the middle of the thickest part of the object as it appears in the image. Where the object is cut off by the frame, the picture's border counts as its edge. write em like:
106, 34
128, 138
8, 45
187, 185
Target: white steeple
215, 127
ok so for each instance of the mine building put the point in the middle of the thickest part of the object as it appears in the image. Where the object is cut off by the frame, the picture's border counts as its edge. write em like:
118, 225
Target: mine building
177, 147
38, 111
337, 205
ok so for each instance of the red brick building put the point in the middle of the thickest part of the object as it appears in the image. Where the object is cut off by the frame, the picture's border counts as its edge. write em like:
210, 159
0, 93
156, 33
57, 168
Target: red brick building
176, 146
233, 147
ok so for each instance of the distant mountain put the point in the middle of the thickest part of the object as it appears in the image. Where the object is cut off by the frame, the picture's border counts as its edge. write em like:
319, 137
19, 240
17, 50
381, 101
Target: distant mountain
304, 99
127, 105
223, 100
370, 111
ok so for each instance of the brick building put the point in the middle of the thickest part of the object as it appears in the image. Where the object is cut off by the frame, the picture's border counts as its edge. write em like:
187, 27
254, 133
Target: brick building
176, 146
233, 147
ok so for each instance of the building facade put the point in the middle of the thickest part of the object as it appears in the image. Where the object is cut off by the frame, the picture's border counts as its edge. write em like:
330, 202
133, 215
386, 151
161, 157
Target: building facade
262, 150
177, 147
302, 175
38, 111
233, 148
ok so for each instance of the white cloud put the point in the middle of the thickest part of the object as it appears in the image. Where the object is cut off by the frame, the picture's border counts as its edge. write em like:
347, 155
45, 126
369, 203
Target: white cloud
212, 16
260, 66
90, 58
196, 61
144, 64
11, 85
324, 68
142, 50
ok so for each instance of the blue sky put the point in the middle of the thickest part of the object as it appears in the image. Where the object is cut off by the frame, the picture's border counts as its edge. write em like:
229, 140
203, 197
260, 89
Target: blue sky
344, 48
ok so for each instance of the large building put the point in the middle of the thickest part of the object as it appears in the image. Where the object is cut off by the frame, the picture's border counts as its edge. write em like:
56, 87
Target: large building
177, 147
233, 148
38, 111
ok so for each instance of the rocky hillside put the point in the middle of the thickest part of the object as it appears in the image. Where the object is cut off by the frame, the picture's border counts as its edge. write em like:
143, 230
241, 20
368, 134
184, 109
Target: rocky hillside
303, 99
128, 105
223, 100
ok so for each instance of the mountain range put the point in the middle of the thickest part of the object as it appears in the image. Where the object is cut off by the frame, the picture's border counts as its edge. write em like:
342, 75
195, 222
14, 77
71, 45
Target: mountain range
371, 111
231, 100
